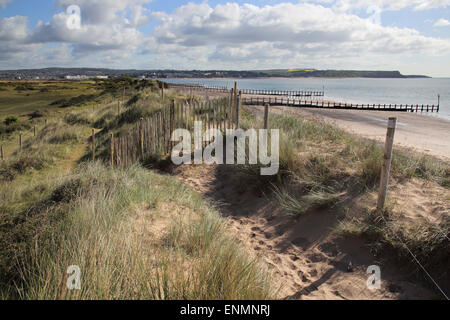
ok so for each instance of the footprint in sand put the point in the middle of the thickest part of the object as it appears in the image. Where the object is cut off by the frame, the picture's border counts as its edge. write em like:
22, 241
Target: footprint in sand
316, 257
277, 260
302, 276
313, 273
268, 235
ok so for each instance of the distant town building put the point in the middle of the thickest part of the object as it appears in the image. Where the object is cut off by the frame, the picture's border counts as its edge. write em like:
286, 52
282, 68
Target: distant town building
74, 77
84, 77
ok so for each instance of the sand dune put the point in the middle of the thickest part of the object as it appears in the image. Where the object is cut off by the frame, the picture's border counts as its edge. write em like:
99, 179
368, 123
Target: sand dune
422, 133
307, 261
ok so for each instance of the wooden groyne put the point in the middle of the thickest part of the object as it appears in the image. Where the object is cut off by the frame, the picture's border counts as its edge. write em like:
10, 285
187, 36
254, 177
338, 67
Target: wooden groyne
284, 93
198, 87
260, 101
220, 89
291, 99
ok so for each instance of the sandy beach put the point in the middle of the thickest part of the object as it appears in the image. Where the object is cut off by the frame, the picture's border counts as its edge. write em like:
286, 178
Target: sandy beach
418, 132
422, 133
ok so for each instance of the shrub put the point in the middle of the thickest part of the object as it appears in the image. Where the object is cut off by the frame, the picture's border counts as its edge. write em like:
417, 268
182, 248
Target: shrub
11, 168
37, 114
24, 87
9, 120
14, 126
75, 101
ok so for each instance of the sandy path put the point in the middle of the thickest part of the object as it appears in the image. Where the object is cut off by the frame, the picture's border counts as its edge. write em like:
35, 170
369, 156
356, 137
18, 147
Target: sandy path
306, 260
421, 133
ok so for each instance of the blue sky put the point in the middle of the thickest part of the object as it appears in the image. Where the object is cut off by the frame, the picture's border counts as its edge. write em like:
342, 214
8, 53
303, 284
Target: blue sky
412, 36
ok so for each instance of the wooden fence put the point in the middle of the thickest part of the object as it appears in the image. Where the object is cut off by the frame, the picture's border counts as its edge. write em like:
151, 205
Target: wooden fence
337, 105
151, 136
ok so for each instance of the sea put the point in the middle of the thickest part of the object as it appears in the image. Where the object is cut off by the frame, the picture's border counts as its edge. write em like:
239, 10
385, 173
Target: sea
352, 90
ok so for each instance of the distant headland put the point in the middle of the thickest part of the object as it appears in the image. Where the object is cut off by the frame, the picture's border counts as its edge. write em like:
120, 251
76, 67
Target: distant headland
80, 73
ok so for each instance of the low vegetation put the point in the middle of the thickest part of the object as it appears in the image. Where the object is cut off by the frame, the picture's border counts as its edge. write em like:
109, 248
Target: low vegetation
153, 237
99, 216
323, 167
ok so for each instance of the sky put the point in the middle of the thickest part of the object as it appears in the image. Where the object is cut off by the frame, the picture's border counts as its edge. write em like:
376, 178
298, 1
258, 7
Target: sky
411, 36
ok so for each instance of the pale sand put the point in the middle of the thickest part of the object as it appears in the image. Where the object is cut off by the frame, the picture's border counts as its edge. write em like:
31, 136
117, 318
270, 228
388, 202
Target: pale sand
422, 133
304, 257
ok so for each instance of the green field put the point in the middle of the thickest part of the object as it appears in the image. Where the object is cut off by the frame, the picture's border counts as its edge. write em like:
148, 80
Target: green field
60, 208
21, 98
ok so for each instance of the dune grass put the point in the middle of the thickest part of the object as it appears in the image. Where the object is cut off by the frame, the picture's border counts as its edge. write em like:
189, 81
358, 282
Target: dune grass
103, 221
326, 168
53, 142
89, 219
318, 160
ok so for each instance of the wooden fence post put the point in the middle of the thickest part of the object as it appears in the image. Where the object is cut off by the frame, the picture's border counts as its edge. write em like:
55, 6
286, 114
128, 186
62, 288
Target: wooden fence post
439, 100
111, 150
172, 123
20, 142
230, 109
141, 137
238, 109
266, 116
34, 131
93, 145
162, 91
387, 160
118, 109
1, 153
234, 101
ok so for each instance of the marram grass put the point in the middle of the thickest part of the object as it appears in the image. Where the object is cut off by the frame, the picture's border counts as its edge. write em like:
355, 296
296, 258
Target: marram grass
194, 259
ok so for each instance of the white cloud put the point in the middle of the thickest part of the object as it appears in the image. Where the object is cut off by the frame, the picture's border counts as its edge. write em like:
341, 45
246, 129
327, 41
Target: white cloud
102, 12
106, 25
14, 28
248, 35
391, 5
229, 36
14, 35
442, 23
